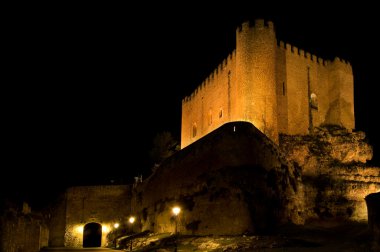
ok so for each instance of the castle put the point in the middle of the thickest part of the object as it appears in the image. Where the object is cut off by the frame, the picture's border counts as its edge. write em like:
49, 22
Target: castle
275, 86
246, 171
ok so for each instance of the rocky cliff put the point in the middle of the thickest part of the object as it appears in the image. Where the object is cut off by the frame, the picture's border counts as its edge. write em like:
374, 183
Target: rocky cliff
373, 205
334, 171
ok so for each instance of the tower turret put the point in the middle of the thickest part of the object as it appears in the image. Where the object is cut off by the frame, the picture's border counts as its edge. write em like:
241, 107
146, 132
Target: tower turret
256, 78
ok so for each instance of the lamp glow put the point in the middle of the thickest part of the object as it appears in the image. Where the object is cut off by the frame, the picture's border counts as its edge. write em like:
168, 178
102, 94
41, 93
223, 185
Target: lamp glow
116, 225
176, 210
79, 229
131, 219
105, 229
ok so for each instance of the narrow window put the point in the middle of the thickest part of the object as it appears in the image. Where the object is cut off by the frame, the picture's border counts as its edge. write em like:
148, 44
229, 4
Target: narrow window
220, 113
194, 129
283, 88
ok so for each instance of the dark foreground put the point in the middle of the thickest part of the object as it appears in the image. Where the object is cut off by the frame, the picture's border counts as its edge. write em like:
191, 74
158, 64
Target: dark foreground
313, 237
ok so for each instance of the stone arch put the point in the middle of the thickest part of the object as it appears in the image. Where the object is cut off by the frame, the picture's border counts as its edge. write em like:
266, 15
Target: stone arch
92, 235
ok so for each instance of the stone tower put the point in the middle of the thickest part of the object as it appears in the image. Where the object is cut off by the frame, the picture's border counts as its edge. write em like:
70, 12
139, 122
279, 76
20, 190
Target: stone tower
275, 86
255, 101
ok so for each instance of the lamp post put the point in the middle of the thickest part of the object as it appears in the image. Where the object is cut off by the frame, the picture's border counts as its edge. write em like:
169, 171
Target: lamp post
131, 220
176, 210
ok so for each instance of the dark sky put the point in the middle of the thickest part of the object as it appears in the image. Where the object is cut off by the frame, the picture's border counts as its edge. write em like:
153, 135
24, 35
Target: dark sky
86, 88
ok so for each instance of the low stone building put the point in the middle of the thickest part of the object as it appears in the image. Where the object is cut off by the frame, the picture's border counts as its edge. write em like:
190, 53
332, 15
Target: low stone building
22, 229
85, 215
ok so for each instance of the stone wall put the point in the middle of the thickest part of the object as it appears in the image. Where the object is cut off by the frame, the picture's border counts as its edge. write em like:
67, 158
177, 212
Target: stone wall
336, 178
271, 87
106, 205
22, 230
209, 106
232, 181
57, 221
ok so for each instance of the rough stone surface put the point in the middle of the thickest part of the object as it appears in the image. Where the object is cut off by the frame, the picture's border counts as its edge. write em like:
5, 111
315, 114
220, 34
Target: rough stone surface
373, 205
103, 204
231, 182
57, 221
336, 178
22, 230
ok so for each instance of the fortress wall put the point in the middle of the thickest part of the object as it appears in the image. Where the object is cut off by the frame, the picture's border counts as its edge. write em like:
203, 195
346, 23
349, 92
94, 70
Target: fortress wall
296, 79
341, 94
271, 87
320, 88
105, 205
302, 69
207, 108
57, 223
256, 73
22, 230
281, 89
229, 182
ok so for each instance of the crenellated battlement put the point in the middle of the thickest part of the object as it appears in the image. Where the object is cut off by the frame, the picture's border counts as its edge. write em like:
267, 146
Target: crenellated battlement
302, 53
313, 58
269, 83
341, 64
258, 24
213, 76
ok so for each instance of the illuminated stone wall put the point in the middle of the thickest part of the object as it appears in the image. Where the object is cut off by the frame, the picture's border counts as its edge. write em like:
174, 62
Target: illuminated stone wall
230, 182
210, 105
270, 86
106, 205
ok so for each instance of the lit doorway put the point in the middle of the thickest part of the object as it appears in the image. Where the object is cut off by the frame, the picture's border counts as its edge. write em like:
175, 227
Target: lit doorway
92, 235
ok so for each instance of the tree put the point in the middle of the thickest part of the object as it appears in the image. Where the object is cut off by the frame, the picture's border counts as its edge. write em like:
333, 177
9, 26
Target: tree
164, 145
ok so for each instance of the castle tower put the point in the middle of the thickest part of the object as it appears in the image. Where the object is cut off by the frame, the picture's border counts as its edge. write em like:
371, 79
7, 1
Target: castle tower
256, 100
279, 89
341, 95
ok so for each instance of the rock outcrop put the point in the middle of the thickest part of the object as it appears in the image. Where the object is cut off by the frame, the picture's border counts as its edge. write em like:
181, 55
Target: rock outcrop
373, 205
334, 171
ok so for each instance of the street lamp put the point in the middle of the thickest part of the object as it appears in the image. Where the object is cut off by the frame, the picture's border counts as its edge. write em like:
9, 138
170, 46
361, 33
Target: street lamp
131, 220
176, 210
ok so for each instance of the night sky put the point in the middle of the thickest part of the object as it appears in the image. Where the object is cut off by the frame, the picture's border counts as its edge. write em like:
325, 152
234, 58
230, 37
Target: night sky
86, 88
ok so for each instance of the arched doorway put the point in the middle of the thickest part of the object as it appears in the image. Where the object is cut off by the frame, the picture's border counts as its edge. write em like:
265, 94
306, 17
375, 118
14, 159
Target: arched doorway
92, 235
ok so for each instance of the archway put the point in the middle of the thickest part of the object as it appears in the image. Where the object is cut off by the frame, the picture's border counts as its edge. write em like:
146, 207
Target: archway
92, 235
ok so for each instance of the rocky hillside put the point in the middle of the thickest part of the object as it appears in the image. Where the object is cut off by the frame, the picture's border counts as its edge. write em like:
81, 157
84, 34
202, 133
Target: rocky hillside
334, 171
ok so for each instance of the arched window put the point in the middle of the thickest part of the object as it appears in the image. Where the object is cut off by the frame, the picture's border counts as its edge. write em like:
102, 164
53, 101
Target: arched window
194, 129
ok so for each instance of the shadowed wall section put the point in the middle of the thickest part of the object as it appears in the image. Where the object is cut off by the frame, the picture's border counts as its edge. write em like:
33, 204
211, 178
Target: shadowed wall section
230, 182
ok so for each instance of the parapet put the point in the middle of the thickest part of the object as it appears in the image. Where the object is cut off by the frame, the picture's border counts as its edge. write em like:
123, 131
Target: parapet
340, 64
228, 60
301, 53
258, 24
